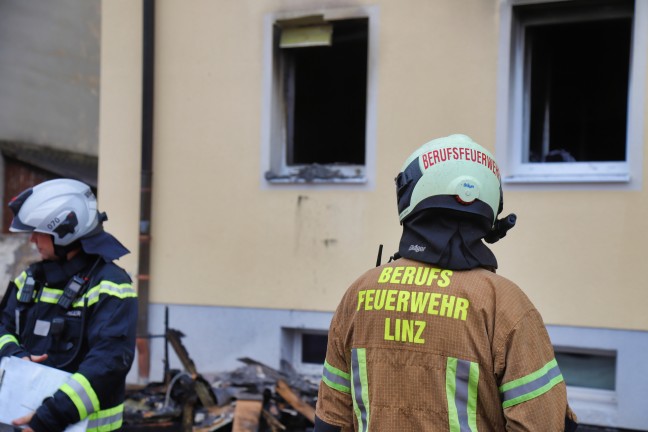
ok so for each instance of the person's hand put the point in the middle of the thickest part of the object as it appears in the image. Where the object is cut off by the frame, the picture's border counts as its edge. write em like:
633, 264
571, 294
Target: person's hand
22, 421
36, 358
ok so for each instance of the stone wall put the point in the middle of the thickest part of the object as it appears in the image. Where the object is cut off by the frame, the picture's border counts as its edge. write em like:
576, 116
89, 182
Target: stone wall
16, 253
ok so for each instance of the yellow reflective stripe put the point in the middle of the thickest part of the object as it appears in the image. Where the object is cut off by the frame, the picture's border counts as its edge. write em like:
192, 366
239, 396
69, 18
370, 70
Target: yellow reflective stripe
360, 388
532, 385
336, 378
4, 340
82, 394
106, 420
50, 295
462, 380
20, 280
121, 291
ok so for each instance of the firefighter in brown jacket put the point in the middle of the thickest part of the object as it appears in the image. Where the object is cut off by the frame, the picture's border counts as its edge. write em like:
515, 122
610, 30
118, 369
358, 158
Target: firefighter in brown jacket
434, 340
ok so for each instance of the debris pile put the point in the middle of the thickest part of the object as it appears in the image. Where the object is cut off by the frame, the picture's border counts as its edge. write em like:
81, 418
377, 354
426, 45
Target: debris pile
252, 398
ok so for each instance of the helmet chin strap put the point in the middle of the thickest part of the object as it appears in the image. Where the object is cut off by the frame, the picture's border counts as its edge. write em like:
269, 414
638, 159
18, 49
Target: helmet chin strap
63, 251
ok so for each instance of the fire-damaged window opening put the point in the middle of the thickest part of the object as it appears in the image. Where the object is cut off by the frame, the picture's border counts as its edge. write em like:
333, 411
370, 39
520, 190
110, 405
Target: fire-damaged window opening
320, 80
577, 86
571, 106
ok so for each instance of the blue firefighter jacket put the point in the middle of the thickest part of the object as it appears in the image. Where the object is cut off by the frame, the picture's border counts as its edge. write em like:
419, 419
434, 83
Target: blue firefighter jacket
93, 339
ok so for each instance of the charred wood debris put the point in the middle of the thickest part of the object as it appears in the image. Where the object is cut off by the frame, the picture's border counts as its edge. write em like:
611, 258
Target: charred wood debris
252, 398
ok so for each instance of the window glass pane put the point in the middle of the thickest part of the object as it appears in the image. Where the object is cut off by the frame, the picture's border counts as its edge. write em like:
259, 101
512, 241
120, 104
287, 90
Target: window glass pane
591, 370
314, 348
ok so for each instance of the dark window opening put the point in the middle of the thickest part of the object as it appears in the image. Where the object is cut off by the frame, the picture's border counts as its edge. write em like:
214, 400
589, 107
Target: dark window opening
578, 76
596, 370
325, 94
314, 348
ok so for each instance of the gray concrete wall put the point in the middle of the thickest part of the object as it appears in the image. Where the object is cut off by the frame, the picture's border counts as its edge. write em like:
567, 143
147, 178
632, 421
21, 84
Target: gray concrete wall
16, 253
216, 337
49, 73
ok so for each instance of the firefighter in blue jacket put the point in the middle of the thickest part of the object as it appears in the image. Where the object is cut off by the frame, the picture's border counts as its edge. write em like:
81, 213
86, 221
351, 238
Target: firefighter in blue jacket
74, 310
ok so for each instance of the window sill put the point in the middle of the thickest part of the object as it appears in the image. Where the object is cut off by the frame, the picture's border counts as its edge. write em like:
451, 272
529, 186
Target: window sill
599, 407
318, 174
566, 178
292, 180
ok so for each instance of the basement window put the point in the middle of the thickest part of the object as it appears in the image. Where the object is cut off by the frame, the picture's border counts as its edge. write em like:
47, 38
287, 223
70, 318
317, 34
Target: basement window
592, 369
305, 349
571, 104
313, 348
319, 111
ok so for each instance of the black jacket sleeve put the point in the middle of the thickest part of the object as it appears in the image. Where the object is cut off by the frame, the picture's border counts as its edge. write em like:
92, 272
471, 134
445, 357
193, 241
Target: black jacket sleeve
322, 426
10, 344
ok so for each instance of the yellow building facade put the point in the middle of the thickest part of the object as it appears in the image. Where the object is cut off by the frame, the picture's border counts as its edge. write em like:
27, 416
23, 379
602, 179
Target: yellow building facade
251, 247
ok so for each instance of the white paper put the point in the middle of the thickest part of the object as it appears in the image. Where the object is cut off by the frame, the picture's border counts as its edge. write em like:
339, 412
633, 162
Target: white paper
24, 385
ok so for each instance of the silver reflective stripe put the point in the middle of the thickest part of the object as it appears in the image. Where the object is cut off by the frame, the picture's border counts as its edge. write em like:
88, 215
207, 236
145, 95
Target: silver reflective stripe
93, 295
108, 423
462, 380
50, 296
336, 378
532, 385
465, 394
360, 388
82, 393
121, 291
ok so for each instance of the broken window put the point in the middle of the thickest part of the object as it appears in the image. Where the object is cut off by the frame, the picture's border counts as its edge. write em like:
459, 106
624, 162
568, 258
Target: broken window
571, 103
319, 110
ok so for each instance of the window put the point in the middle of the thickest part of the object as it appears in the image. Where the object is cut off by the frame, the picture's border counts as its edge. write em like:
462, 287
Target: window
305, 349
602, 368
593, 369
313, 348
570, 94
319, 117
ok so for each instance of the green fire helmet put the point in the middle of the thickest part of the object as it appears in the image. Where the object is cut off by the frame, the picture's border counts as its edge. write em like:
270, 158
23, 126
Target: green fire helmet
454, 173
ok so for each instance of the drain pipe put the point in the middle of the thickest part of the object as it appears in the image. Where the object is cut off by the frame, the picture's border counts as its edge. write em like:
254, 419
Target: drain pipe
143, 277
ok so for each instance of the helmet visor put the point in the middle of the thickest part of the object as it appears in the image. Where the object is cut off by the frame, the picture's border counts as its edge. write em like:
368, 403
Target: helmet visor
18, 226
15, 205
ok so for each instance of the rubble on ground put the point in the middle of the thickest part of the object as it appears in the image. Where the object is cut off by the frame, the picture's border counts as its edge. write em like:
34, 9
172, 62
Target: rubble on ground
252, 398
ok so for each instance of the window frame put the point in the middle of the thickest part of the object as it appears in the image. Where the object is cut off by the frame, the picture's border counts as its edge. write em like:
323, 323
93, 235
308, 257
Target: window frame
275, 171
624, 407
511, 124
292, 343
595, 352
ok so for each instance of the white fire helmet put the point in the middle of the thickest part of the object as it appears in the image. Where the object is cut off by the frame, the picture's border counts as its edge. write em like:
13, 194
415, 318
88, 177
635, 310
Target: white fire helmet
63, 208
453, 172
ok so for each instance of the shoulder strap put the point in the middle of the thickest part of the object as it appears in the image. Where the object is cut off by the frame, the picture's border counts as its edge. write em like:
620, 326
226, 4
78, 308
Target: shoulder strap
27, 290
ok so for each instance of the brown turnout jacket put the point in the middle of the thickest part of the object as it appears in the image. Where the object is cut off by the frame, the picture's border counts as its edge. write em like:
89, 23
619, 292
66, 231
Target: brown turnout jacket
415, 348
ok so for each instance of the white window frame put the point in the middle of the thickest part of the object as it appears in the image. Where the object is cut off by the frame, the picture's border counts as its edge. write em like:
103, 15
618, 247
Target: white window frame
623, 407
292, 350
511, 124
274, 142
